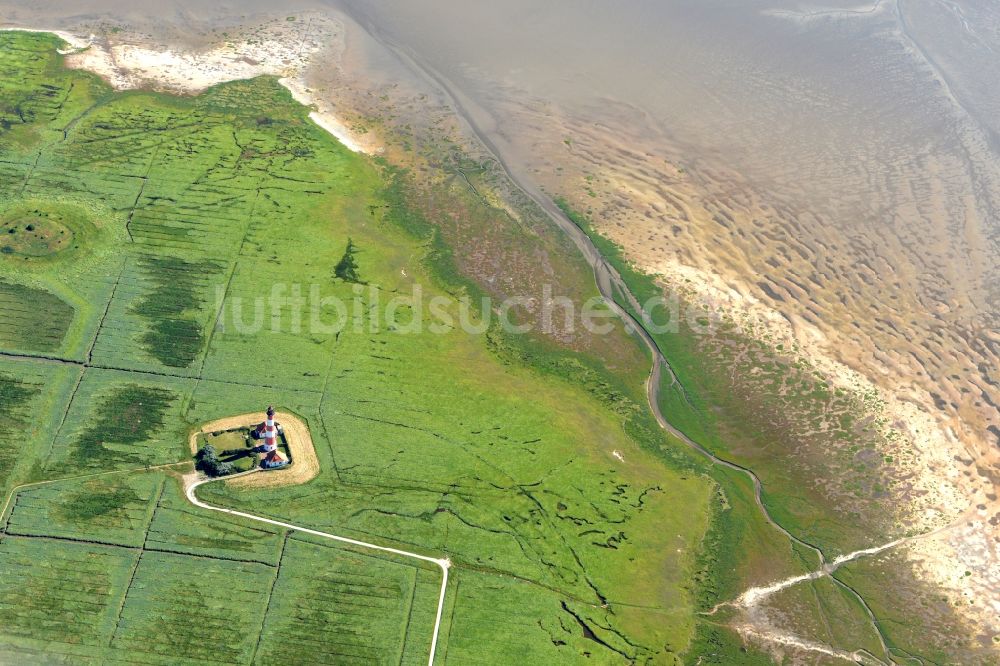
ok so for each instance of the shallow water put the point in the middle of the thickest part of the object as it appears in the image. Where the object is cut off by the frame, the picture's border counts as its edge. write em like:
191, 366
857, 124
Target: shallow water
774, 87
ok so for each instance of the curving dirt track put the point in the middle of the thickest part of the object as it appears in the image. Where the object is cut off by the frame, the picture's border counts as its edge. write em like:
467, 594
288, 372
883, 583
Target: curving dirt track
304, 467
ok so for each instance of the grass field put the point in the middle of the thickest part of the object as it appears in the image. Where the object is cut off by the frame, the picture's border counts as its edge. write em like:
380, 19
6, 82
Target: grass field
575, 537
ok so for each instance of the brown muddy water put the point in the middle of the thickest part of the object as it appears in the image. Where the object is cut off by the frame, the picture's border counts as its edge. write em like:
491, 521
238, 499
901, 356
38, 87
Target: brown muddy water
829, 170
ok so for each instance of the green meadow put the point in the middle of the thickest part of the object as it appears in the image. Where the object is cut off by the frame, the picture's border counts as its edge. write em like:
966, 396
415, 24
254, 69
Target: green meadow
139, 306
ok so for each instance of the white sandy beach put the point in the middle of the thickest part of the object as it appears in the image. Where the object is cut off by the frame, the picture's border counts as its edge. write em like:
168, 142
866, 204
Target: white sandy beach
285, 49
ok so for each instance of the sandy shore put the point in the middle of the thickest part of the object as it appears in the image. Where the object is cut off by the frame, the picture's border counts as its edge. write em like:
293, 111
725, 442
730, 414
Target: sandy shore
281, 48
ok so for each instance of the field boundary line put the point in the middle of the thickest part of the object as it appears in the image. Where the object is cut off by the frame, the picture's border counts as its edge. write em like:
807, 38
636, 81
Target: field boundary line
128, 588
146, 549
30, 172
19, 488
82, 370
270, 597
409, 615
135, 204
217, 319
39, 358
443, 563
107, 309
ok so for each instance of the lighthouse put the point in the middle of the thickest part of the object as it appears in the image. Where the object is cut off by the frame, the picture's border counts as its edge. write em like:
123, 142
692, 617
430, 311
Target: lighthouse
268, 431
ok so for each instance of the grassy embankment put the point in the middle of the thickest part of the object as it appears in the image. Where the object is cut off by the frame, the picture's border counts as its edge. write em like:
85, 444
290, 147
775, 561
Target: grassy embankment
470, 446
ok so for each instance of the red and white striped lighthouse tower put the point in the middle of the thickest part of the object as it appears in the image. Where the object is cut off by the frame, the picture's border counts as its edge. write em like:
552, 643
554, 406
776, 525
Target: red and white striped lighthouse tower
268, 431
